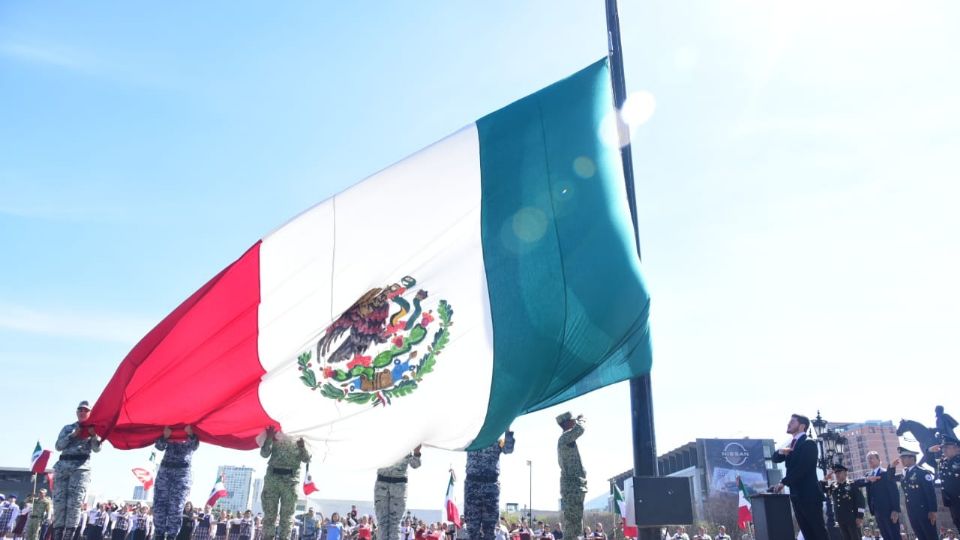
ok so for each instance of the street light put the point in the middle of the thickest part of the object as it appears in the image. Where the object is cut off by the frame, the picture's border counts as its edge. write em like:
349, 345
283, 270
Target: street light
831, 444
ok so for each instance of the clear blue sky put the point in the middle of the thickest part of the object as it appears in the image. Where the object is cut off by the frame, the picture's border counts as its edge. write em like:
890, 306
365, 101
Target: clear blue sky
797, 187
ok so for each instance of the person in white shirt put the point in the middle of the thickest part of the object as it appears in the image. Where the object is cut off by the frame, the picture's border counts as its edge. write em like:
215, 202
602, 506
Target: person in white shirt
9, 512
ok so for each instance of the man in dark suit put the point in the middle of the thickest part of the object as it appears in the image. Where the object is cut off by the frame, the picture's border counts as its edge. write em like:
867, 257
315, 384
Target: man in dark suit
883, 498
806, 495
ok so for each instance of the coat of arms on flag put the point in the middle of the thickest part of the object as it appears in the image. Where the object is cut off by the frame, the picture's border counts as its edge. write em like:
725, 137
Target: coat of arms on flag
380, 348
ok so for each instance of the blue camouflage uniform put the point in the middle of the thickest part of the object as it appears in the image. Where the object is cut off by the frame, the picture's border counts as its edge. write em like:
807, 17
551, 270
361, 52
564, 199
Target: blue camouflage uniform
481, 490
172, 486
72, 477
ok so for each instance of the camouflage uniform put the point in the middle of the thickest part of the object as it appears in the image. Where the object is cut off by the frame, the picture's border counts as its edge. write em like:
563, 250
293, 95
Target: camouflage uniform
72, 477
390, 496
573, 478
481, 490
280, 484
173, 486
38, 514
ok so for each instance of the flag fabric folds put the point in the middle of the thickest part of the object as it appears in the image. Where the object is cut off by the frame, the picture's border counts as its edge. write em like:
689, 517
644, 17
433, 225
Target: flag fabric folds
39, 459
451, 508
487, 276
744, 514
145, 475
308, 485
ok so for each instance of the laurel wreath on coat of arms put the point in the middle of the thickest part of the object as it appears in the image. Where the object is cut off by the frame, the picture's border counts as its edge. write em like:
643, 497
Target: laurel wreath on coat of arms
386, 342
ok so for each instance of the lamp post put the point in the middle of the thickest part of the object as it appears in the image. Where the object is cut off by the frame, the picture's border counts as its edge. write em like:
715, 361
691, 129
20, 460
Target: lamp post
530, 495
831, 444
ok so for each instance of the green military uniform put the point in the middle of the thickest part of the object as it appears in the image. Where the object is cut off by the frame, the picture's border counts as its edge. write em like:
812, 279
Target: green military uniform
573, 478
38, 514
280, 484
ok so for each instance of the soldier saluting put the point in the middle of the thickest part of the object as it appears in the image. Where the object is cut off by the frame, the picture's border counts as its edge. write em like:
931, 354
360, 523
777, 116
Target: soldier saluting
950, 476
919, 493
75, 444
573, 477
848, 503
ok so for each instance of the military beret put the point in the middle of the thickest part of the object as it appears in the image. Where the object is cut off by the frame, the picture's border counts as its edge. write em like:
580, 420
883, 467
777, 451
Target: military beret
950, 441
839, 467
84, 405
564, 418
906, 452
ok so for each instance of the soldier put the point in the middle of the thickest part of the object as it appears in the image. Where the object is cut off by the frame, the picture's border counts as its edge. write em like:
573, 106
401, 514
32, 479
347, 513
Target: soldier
390, 495
173, 483
950, 476
38, 514
72, 473
481, 490
281, 481
848, 503
919, 493
573, 478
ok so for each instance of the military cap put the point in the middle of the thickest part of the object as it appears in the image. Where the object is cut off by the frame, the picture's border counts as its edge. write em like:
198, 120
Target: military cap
84, 405
950, 441
906, 452
564, 418
839, 467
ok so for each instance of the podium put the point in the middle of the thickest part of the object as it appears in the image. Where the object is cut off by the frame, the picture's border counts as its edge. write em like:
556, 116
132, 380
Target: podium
772, 517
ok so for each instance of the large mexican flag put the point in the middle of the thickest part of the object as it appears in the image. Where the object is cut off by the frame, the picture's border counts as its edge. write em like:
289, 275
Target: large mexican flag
487, 276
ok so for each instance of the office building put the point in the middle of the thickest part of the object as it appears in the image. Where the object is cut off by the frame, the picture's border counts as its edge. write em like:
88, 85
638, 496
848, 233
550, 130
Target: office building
238, 481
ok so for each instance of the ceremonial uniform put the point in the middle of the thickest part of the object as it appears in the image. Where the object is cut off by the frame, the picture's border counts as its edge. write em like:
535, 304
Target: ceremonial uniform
280, 483
72, 477
848, 507
38, 515
921, 498
172, 486
390, 496
950, 487
481, 490
573, 477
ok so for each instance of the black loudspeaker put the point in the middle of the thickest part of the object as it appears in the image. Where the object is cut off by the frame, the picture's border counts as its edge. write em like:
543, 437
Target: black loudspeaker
772, 517
662, 500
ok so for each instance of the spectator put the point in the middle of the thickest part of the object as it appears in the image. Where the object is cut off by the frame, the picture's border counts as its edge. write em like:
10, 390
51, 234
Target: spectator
558, 531
702, 534
681, 534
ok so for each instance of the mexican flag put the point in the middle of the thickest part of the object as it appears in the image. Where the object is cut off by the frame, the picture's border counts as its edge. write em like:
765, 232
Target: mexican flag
38, 462
145, 475
744, 516
218, 492
451, 508
620, 509
497, 265
308, 485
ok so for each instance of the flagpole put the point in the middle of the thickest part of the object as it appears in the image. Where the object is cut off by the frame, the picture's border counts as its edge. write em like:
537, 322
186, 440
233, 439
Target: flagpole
641, 397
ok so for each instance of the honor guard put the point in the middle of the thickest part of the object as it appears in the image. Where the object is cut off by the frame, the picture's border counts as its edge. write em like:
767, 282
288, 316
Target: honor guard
390, 495
573, 477
281, 481
481, 490
950, 477
72, 470
848, 503
173, 482
920, 495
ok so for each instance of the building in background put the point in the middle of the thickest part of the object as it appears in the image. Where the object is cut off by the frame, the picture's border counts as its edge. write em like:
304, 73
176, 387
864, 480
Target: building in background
19, 481
863, 437
139, 494
256, 501
238, 481
713, 466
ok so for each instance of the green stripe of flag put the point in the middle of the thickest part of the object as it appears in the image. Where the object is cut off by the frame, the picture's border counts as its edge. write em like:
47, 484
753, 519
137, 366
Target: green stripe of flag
562, 270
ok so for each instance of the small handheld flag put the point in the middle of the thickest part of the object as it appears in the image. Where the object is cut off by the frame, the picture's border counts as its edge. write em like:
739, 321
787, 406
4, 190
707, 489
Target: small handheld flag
218, 492
308, 485
146, 474
38, 463
453, 511
744, 515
